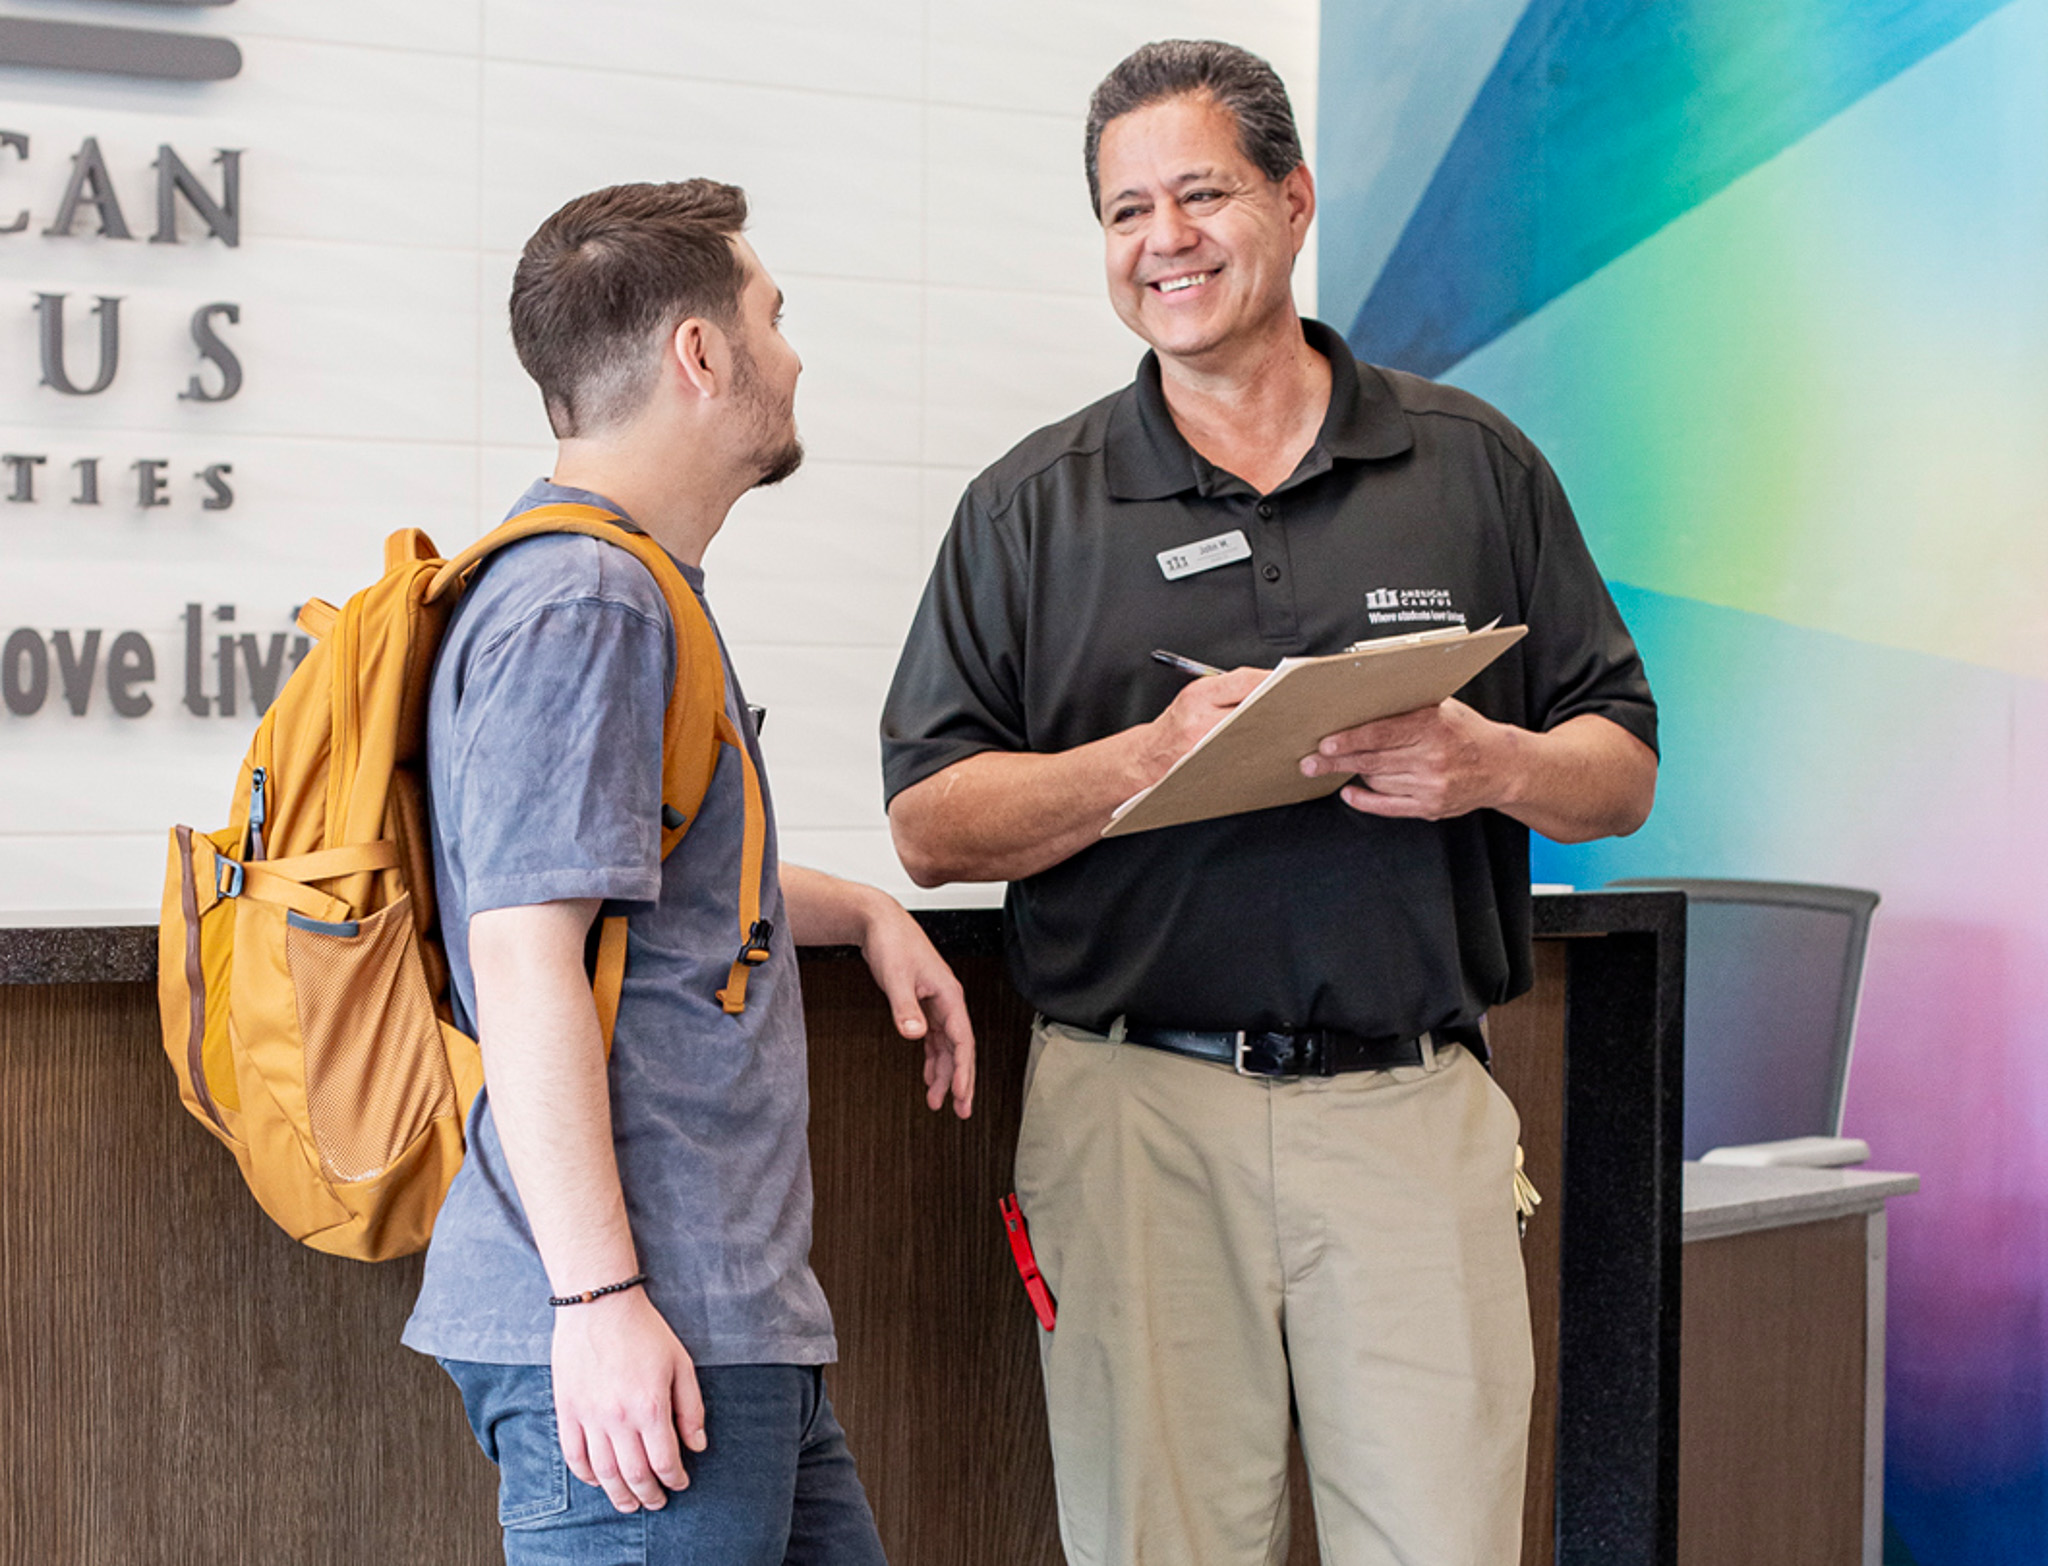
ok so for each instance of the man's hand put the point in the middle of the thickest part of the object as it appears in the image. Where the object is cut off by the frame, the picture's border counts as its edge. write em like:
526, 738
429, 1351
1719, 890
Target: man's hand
624, 1388
924, 997
1588, 777
1200, 706
1429, 764
1007, 815
926, 1000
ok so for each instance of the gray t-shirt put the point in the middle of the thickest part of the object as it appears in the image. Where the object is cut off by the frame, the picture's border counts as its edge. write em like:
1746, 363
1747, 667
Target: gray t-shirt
544, 734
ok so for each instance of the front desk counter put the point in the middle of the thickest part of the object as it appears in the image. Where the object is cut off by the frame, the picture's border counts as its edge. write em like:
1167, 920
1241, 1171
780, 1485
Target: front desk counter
1781, 1444
179, 1383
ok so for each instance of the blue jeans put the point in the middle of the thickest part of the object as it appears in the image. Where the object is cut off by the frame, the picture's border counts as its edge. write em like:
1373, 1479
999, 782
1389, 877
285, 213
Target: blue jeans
775, 1487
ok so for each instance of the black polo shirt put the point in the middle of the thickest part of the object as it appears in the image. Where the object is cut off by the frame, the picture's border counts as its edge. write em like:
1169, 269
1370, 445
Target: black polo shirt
1417, 506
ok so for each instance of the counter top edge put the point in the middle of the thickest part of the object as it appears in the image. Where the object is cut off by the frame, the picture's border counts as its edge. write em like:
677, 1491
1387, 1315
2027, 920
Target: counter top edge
126, 953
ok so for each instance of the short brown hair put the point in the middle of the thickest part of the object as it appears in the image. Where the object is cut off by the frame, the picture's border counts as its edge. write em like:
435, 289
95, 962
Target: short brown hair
1238, 80
607, 273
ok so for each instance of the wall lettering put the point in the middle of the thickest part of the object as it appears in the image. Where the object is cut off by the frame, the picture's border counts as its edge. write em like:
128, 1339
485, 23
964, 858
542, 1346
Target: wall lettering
68, 669
91, 198
132, 662
91, 186
75, 667
215, 352
46, 672
16, 143
156, 485
223, 218
24, 477
24, 672
50, 307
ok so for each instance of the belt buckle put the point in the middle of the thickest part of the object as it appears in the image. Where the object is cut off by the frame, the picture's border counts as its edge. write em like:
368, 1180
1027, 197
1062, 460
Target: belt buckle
1278, 1073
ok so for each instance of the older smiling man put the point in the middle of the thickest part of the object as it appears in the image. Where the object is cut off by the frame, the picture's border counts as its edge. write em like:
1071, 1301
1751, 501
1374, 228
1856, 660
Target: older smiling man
1261, 1156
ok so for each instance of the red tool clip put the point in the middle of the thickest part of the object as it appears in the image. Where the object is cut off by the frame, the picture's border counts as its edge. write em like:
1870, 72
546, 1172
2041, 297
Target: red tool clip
1027, 1263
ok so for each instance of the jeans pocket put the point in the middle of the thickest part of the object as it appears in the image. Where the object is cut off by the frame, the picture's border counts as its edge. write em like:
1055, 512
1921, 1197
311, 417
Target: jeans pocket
512, 1410
533, 1477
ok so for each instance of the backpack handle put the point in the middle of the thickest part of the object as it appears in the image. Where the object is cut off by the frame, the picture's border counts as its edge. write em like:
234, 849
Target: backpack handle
406, 547
317, 617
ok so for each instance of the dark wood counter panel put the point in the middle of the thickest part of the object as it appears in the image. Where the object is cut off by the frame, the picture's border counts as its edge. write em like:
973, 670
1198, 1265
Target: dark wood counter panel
183, 1383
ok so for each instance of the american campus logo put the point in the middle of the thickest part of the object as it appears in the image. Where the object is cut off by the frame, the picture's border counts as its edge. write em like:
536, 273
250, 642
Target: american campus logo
88, 669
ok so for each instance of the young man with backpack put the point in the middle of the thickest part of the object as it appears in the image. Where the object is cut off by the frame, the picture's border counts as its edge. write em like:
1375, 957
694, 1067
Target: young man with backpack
618, 1281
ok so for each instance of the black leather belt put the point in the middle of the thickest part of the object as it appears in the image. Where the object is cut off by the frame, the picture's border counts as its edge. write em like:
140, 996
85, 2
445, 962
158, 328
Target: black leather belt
1311, 1052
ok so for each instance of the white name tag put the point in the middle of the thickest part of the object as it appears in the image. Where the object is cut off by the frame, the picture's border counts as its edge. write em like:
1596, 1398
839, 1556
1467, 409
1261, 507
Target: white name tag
1204, 554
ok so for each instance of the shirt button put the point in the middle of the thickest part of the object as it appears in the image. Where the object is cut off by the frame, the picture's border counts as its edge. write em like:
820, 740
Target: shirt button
1265, 508
1271, 573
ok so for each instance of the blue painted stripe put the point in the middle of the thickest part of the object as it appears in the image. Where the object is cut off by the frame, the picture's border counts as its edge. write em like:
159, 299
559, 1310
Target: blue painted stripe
1602, 121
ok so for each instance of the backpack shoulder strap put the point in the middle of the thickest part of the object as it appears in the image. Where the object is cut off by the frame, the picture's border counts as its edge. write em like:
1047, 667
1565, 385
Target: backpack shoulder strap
695, 729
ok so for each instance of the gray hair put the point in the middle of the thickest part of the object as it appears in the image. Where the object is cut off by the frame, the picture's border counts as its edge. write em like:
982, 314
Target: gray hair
1238, 80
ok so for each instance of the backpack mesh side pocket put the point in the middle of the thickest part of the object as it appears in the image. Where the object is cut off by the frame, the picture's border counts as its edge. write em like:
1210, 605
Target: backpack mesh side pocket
376, 1068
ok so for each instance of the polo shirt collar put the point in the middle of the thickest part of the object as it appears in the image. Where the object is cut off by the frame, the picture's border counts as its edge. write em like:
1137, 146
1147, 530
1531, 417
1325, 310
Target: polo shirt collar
1145, 456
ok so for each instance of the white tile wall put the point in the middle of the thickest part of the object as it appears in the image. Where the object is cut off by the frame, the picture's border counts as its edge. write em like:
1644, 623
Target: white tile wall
839, 523
1048, 56
865, 48
1000, 363
914, 169
443, 27
861, 342
1008, 207
834, 180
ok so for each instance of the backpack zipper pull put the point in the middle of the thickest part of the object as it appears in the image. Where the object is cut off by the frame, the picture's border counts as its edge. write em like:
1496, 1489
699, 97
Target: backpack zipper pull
253, 849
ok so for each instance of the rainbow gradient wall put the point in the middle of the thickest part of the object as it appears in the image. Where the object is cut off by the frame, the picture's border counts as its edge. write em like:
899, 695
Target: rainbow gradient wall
1768, 281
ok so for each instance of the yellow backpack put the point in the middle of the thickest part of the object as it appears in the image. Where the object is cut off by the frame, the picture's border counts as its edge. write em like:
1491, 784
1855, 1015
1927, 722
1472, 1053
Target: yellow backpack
300, 972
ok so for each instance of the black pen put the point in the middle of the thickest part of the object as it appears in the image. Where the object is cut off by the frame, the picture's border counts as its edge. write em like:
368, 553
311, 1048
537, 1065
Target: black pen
1185, 665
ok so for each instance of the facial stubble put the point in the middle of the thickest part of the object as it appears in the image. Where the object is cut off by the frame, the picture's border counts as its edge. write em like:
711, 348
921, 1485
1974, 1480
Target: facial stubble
779, 451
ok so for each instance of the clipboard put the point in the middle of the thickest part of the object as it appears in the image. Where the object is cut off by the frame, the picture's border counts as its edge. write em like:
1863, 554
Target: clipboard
1252, 759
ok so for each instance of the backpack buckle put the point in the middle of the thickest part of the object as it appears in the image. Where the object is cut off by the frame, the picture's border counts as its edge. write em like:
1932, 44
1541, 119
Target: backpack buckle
754, 950
227, 877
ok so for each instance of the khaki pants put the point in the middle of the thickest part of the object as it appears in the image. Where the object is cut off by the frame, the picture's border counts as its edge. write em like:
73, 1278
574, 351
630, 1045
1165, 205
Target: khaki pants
1218, 1245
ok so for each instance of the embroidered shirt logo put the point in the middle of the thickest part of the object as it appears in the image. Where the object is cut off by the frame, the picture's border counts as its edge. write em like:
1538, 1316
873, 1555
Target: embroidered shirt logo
1412, 606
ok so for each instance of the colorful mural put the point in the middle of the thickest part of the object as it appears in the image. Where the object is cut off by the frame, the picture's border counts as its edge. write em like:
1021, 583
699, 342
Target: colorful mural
1769, 285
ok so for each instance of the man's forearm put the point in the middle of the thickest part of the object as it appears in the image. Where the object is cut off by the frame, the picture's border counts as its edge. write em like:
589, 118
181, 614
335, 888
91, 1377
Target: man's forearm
1005, 815
625, 1390
924, 995
1001, 816
545, 1068
1584, 779
824, 910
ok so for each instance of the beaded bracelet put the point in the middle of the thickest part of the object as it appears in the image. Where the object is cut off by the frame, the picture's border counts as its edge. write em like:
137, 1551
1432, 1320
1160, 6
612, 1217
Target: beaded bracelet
634, 1282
